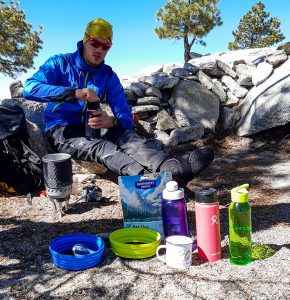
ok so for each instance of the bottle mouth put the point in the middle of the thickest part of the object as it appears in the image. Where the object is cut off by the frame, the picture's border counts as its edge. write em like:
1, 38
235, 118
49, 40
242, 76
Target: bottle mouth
179, 240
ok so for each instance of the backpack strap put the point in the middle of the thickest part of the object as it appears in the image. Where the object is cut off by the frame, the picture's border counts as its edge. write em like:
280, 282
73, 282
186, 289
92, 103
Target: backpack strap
30, 154
35, 163
10, 149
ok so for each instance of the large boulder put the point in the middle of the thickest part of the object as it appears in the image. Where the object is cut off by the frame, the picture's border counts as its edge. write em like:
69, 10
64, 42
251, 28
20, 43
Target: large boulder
267, 105
194, 104
34, 112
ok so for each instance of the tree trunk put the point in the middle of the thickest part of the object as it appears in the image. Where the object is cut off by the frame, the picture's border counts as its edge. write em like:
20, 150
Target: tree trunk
186, 49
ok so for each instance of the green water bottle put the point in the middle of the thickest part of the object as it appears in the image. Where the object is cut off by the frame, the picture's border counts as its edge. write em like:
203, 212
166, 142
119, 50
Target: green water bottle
240, 226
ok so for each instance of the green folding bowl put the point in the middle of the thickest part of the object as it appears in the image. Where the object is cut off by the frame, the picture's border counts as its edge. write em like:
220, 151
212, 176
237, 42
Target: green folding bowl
135, 242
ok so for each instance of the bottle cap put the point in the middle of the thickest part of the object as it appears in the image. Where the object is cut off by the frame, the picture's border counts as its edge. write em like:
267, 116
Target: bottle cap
206, 196
94, 105
172, 192
240, 193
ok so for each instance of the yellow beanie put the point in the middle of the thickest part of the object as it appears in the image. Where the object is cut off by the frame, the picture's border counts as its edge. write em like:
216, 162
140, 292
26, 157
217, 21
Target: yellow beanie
99, 28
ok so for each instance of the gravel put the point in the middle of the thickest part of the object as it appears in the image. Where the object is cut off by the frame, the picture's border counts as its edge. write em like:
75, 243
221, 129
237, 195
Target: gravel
27, 271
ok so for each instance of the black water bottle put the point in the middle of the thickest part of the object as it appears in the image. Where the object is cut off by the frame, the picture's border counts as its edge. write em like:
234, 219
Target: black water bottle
92, 133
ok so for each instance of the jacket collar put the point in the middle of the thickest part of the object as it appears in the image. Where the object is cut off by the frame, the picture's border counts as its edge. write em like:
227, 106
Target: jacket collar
81, 64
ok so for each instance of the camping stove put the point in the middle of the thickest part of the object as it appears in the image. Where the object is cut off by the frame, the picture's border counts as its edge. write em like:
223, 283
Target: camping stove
60, 198
57, 170
59, 193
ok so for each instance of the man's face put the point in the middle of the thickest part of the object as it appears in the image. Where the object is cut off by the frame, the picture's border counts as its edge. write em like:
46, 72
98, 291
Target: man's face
95, 50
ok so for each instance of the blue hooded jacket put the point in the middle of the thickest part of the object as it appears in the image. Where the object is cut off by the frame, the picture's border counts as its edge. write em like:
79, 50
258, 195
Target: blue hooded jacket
56, 81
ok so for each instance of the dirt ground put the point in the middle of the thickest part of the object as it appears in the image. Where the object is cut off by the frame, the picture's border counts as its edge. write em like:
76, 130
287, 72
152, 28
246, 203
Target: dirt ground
26, 230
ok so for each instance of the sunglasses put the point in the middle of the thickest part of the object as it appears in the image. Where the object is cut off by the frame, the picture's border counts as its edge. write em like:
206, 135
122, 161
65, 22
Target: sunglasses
96, 44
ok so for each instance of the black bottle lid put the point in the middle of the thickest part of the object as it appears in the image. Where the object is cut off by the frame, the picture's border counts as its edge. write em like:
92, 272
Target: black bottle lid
206, 196
94, 105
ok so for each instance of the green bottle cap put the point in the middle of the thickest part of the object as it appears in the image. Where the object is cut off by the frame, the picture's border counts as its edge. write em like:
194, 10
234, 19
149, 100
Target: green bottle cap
240, 193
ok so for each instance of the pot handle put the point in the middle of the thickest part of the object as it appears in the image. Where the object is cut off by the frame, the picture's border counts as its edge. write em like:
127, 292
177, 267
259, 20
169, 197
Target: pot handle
157, 252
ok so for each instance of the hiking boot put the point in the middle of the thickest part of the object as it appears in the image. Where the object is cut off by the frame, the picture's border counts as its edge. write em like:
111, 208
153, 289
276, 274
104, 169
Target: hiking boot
184, 165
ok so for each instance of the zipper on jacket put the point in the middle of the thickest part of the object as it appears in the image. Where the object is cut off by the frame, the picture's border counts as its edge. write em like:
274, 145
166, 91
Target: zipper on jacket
85, 105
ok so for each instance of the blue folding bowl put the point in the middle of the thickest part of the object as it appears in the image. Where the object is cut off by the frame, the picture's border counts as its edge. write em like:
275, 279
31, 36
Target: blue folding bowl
63, 257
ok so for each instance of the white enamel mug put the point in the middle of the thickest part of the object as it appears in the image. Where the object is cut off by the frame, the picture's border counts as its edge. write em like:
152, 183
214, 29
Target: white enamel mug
178, 251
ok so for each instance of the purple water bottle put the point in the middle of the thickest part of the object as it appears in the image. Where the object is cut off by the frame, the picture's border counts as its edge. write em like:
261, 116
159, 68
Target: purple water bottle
174, 212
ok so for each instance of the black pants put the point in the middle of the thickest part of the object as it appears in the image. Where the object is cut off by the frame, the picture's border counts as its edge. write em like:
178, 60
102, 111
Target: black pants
121, 150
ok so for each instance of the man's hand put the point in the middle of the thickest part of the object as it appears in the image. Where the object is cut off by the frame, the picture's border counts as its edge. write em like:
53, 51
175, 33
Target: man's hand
100, 119
86, 94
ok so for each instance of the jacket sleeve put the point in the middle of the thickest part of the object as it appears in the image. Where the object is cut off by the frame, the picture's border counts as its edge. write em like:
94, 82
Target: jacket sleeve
44, 85
118, 102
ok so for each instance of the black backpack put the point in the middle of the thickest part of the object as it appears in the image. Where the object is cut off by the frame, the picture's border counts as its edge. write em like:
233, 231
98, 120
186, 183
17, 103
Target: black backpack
20, 168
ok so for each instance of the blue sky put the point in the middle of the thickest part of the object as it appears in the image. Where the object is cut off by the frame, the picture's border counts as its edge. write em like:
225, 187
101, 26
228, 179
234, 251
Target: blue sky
135, 44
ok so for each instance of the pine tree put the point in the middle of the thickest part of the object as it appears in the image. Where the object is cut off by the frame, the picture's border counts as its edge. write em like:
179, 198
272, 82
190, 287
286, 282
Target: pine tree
183, 19
256, 30
18, 43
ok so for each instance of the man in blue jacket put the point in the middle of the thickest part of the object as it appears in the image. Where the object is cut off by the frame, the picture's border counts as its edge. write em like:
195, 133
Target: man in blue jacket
69, 82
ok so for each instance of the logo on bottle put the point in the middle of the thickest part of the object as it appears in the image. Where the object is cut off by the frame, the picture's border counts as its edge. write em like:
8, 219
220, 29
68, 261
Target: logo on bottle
214, 220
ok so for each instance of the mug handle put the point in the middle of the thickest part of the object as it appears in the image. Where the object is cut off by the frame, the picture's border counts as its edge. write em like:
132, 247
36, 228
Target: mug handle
157, 252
